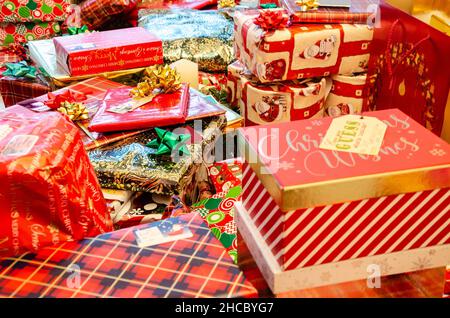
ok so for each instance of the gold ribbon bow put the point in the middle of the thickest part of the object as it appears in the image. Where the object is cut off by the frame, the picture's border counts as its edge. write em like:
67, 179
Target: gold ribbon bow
163, 79
226, 4
306, 5
75, 111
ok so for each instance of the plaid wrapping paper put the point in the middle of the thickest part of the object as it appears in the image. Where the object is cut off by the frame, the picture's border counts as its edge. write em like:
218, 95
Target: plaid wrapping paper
27, 31
6, 57
34, 10
112, 265
95, 13
15, 90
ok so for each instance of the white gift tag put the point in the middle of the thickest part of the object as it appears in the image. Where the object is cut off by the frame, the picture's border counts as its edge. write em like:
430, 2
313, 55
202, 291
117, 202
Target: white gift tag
131, 105
355, 133
154, 235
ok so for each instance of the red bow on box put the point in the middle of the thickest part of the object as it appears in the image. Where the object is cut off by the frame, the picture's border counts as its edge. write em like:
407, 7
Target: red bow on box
54, 101
271, 20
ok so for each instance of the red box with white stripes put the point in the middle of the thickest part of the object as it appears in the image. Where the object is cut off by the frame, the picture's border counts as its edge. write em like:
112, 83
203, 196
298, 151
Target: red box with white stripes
314, 206
302, 50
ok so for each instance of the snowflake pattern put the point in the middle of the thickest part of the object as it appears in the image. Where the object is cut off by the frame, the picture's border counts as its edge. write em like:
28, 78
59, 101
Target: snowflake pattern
422, 263
437, 152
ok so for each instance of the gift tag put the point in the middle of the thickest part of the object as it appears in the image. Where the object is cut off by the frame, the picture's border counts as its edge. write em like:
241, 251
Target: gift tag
355, 133
131, 105
163, 232
20, 145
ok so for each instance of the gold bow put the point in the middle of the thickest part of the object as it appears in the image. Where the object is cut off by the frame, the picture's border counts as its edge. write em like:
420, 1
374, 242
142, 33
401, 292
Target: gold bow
226, 4
75, 111
164, 79
306, 5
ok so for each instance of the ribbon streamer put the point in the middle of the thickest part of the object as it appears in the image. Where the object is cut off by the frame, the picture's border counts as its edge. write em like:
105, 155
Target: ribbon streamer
306, 5
271, 20
20, 69
167, 141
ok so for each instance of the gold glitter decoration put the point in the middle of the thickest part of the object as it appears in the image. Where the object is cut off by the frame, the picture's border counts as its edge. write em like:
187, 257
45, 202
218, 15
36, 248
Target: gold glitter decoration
226, 4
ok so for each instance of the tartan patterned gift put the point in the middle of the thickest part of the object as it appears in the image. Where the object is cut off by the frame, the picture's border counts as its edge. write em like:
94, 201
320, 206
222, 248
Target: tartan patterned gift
113, 265
34, 10
27, 31
95, 13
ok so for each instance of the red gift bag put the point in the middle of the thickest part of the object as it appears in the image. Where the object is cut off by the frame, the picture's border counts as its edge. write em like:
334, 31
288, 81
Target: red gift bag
409, 68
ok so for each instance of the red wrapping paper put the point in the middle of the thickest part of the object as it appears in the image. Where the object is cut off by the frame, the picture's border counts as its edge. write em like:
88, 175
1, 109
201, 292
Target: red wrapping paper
14, 90
163, 110
49, 193
97, 52
95, 13
447, 282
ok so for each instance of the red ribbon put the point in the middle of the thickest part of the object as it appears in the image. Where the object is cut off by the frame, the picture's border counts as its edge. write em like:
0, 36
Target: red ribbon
54, 100
271, 20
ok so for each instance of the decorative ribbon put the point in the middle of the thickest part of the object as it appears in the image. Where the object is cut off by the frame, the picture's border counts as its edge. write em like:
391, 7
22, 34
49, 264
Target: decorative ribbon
20, 69
55, 101
271, 20
226, 4
157, 79
268, 5
306, 5
77, 30
76, 111
167, 141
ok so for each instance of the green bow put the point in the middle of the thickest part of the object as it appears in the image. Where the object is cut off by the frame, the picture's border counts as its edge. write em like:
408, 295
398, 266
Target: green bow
77, 30
167, 141
268, 6
20, 69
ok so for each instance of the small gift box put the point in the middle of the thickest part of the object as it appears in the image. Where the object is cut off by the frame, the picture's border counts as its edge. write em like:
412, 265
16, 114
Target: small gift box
180, 258
320, 197
204, 37
91, 53
50, 193
273, 51
331, 11
347, 96
20, 33
32, 11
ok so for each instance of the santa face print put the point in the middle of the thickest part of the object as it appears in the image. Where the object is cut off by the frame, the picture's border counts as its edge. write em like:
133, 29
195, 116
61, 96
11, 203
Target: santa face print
321, 50
270, 108
340, 110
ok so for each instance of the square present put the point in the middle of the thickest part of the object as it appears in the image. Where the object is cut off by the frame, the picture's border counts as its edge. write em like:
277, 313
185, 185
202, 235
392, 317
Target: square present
315, 206
114, 265
15, 90
50, 193
301, 51
96, 52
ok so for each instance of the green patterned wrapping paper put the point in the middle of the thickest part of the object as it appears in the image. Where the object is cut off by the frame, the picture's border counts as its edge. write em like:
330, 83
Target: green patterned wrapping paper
130, 165
204, 37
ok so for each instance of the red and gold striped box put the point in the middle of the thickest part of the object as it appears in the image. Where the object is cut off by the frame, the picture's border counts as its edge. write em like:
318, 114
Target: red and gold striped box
313, 206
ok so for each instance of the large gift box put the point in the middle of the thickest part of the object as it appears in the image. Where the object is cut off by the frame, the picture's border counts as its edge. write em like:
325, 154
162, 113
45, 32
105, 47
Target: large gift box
91, 53
37, 10
314, 207
300, 51
49, 192
186, 260
348, 95
204, 37
23, 32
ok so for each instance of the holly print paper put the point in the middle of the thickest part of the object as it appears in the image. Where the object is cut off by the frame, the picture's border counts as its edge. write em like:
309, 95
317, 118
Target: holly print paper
28, 31
34, 10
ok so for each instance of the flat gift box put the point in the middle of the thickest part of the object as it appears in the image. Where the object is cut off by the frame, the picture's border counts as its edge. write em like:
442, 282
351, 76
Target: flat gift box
34, 11
21, 33
113, 265
281, 281
315, 206
347, 96
43, 54
333, 11
96, 52
301, 51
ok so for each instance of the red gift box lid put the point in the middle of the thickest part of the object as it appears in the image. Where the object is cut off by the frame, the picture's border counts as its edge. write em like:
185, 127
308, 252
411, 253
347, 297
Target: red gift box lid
298, 174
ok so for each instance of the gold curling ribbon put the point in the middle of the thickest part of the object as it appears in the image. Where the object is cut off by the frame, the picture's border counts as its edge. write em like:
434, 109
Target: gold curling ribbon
75, 111
306, 5
164, 79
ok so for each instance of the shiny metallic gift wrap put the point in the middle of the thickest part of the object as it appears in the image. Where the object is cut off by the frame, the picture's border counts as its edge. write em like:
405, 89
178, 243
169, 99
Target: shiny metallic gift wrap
204, 37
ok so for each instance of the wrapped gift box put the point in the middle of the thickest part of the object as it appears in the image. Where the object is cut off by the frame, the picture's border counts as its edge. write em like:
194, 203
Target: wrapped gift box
347, 96
24, 32
50, 193
278, 102
43, 54
15, 90
91, 53
31, 11
95, 13
315, 206
333, 11
204, 37
113, 265
301, 51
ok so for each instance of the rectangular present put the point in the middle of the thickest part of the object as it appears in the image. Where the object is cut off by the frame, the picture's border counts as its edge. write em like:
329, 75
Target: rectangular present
15, 90
114, 265
91, 53
348, 95
96, 13
201, 36
49, 191
21, 33
34, 11
367, 269
316, 206
43, 54
332, 11
301, 51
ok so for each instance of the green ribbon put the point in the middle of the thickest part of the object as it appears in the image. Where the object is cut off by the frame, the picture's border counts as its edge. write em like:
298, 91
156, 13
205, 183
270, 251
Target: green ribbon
20, 69
268, 5
166, 142
77, 30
